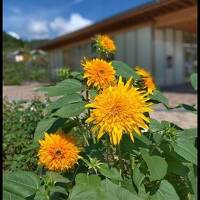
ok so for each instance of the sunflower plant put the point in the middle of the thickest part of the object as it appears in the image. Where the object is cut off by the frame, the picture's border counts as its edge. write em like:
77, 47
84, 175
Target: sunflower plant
99, 141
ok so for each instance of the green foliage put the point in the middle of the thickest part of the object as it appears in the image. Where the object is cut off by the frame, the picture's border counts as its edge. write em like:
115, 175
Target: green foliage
10, 43
19, 122
193, 79
16, 73
122, 69
156, 173
19, 185
63, 73
166, 191
161, 164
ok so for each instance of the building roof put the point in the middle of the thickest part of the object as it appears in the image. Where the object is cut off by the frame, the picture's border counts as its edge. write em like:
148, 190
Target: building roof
16, 53
139, 15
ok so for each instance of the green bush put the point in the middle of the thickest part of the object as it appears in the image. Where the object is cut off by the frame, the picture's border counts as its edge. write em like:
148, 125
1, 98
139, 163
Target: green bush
63, 73
14, 73
17, 73
19, 122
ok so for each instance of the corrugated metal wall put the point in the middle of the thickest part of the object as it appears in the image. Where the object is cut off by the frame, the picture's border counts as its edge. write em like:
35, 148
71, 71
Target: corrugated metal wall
143, 46
135, 47
169, 42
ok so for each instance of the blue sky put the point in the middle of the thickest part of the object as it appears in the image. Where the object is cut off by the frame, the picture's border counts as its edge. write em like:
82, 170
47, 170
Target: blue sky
39, 19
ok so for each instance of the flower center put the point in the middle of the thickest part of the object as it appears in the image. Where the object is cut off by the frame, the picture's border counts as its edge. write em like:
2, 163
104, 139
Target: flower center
58, 153
101, 71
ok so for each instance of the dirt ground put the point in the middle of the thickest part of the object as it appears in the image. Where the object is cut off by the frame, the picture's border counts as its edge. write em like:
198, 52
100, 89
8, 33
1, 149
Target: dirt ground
179, 116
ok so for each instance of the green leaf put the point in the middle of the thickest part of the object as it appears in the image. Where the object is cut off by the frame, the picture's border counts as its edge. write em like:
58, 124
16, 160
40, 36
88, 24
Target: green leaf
142, 192
188, 134
128, 185
128, 147
137, 176
70, 110
122, 69
189, 108
92, 93
193, 178
193, 79
159, 97
111, 173
58, 189
186, 149
41, 194
165, 192
155, 125
59, 123
68, 86
42, 127
116, 192
9, 196
176, 167
33, 146
20, 184
57, 178
87, 187
156, 173
77, 75
63, 101
83, 179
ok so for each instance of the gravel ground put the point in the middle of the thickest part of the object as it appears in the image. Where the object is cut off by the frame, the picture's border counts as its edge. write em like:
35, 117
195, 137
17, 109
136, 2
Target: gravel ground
179, 116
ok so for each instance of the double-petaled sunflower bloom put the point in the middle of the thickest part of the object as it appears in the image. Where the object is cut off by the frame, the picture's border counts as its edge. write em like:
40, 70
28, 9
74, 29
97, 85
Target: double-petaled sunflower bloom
147, 79
119, 110
105, 43
98, 73
58, 152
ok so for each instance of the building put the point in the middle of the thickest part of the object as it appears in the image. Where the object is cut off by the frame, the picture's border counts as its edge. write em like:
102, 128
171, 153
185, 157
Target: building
16, 56
159, 36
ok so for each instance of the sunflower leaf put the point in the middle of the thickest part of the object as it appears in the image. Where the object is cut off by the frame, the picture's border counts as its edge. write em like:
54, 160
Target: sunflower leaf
122, 69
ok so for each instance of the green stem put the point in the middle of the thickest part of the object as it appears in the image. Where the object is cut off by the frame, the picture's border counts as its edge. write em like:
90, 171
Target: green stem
120, 159
157, 145
87, 100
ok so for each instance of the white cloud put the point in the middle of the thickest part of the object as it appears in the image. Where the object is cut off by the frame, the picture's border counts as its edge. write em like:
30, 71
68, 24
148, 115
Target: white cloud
38, 29
15, 10
13, 34
75, 22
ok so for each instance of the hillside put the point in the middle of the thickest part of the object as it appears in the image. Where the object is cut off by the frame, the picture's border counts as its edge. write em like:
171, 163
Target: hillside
11, 44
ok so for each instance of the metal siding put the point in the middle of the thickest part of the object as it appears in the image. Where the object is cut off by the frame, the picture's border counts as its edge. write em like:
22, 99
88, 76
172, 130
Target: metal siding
159, 57
179, 57
144, 48
120, 53
169, 42
130, 48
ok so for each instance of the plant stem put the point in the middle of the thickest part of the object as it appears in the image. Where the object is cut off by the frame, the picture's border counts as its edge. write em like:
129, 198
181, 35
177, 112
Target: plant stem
120, 159
87, 100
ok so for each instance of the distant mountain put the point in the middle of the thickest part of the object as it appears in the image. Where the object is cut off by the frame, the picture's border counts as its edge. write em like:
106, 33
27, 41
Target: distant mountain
12, 44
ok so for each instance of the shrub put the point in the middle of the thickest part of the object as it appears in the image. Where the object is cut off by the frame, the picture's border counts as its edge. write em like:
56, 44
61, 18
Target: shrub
63, 73
14, 73
19, 122
17, 73
101, 118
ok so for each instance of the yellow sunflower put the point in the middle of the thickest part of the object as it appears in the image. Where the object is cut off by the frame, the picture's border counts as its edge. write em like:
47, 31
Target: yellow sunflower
106, 43
142, 72
119, 109
147, 79
149, 84
98, 72
58, 152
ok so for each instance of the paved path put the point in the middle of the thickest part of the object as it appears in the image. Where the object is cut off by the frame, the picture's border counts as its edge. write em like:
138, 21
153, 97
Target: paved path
180, 117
